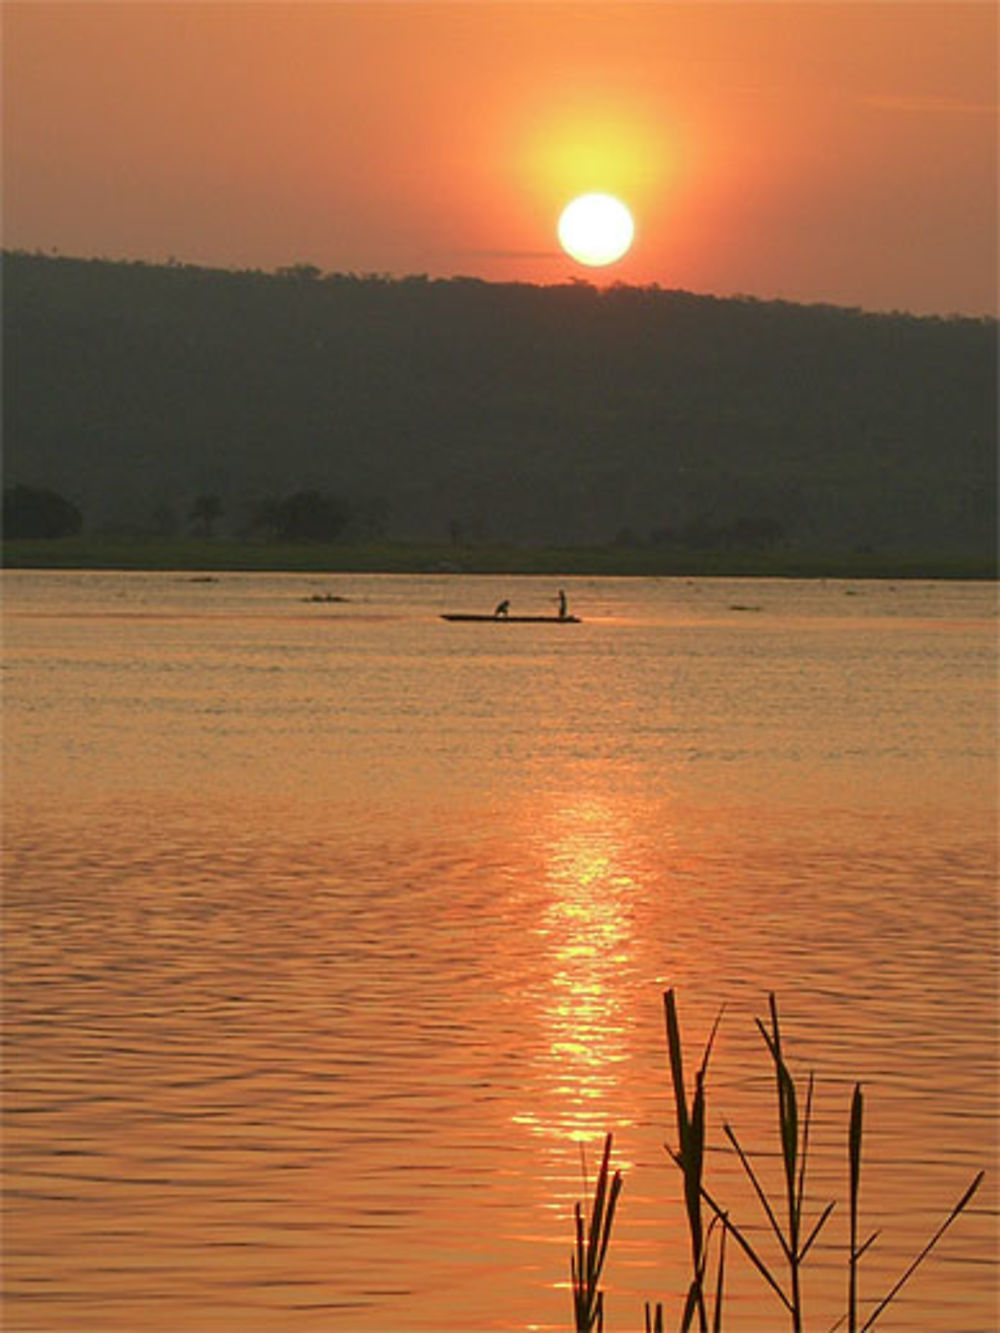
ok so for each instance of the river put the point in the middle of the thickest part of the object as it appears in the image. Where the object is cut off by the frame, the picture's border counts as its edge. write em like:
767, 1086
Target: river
336, 936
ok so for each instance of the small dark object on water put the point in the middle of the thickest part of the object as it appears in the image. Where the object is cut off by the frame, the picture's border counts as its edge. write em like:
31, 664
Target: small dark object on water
325, 597
513, 620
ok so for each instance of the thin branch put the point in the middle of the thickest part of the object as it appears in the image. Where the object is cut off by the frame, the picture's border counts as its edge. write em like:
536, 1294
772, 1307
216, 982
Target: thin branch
765, 1203
749, 1251
958, 1208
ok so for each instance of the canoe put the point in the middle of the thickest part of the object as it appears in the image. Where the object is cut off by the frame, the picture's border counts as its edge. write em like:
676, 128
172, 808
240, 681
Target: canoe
514, 620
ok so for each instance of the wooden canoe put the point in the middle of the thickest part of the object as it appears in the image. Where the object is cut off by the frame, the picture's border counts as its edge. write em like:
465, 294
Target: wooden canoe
512, 620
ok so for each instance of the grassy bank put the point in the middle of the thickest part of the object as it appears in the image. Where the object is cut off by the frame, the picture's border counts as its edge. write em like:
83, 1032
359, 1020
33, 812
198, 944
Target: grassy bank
413, 558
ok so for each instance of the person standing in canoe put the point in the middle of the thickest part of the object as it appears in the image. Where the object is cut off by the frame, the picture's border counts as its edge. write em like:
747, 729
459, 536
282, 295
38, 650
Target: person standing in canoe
563, 607
501, 609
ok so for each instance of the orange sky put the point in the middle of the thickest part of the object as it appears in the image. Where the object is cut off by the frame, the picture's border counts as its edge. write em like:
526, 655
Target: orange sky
816, 152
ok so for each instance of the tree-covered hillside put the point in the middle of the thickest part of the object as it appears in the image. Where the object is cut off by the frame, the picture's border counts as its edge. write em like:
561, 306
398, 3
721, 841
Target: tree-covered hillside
495, 412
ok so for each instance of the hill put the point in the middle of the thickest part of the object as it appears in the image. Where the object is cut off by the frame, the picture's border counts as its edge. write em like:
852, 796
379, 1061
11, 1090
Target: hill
496, 412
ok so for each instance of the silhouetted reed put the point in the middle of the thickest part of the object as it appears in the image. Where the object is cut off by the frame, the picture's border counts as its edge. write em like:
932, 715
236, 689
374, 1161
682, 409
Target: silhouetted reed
690, 1158
588, 1259
795, 1226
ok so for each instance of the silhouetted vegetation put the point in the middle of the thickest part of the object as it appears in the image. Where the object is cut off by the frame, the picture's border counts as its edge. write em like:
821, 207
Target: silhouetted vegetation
791, 1219
205, 513
306, 516
30, 511
477, 413
124, 550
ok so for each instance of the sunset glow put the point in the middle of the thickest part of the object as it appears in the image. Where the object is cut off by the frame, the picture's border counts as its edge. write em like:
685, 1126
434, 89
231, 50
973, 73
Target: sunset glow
813, 152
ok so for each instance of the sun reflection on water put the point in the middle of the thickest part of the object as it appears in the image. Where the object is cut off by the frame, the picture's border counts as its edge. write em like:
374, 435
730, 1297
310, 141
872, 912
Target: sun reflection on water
586, 931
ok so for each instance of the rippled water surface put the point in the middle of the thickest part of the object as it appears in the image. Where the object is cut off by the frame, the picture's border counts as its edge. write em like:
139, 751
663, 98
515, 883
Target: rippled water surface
333, 931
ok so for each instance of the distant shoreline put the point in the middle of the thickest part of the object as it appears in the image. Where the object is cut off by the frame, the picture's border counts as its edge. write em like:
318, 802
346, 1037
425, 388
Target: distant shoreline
225, 555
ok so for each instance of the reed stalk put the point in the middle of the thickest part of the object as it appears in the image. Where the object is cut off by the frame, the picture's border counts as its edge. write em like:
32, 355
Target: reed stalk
854, 1185
786, 1217
690, 1157
654, 1318
793, 1133
592, 1241
855, 1251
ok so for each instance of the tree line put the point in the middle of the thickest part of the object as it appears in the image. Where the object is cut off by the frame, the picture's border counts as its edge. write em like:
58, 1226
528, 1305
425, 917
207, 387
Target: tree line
304, 516
471, 411
312, 516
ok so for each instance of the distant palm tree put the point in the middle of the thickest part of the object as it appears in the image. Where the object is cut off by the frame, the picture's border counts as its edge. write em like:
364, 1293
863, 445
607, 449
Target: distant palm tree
205, 510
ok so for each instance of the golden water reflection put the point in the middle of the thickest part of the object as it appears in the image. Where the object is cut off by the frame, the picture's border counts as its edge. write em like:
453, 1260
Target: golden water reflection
586, 931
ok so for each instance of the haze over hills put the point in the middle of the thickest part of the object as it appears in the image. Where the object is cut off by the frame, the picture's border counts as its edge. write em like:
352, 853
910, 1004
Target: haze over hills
500, 412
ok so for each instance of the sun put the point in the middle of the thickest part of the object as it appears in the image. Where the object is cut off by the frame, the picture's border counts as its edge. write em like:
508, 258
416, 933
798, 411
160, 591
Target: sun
596, 229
